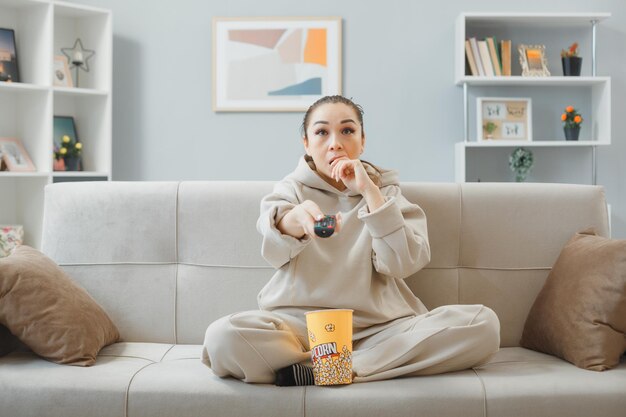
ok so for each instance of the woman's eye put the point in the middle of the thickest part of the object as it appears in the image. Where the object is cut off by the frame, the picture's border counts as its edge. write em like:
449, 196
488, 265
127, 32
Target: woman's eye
347, 131
321, 132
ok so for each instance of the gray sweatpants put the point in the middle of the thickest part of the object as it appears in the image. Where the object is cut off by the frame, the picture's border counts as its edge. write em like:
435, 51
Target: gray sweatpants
252, 345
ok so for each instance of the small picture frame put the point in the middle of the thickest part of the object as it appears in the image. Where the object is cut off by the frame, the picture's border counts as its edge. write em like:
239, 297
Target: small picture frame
500, 118
62, 76
65, 126
11, 236
15, 156
8, 56
533, 60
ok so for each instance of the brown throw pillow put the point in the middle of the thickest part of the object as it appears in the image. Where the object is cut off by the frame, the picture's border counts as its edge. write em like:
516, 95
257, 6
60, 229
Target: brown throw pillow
580, 313
48, 312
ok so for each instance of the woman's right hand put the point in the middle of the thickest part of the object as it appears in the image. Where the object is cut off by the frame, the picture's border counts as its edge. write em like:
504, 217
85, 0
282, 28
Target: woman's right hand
300, 220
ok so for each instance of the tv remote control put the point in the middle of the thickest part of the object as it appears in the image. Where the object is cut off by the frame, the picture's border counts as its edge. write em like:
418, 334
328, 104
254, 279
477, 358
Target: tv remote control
326, 226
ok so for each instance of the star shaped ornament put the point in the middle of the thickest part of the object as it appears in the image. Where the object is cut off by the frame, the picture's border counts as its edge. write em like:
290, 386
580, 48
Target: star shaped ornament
78, 56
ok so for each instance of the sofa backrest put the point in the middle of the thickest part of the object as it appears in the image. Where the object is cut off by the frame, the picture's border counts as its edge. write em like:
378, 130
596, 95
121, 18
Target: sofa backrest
165, 259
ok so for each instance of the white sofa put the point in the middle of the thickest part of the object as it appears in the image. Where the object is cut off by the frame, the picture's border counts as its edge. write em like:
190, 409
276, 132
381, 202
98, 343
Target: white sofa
165, 259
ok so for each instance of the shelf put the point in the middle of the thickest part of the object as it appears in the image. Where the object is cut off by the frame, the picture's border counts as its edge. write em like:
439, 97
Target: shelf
530, 144
67, 9
590, 94
75, 91
10, 174
28, 107
18, 4
536, 19
79, 174
518, 80
22, 87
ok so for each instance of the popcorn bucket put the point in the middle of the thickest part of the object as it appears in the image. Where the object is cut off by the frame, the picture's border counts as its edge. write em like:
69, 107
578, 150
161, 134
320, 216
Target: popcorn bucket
330, 339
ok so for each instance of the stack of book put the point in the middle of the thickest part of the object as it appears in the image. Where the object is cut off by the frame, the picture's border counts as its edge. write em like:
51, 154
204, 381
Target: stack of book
488, 59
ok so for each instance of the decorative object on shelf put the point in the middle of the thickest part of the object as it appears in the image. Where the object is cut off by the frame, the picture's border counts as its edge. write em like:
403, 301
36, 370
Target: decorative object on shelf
520, 162
8, 56
15, 156
572, 63
62, 76
11, 236
66, 144
78, 57
572, 121
302, 54
490, 127
511, 117
532, 58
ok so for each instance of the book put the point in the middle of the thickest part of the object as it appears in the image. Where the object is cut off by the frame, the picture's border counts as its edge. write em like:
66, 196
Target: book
506, 57
493, 53
479, 64
470, 58
483, 49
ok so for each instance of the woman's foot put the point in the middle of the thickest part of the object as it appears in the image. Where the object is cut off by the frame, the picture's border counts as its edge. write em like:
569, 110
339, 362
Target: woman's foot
295, 375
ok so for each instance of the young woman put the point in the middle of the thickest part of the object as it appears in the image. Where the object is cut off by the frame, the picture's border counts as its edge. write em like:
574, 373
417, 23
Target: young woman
381, 239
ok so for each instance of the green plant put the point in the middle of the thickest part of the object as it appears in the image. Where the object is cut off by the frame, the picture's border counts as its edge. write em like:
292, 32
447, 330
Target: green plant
520, 162
571, 117
68, 148
571, 51
490, 127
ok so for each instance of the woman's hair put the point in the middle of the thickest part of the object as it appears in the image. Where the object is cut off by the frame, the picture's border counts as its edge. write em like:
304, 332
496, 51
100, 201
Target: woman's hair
332, 100
372, 170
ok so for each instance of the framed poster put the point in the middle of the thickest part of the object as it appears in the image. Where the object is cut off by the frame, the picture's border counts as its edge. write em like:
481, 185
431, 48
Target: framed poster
501, 118
275, 63
8, 56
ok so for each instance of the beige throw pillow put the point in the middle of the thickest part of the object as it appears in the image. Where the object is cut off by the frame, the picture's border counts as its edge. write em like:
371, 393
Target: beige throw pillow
48, 312
580, 313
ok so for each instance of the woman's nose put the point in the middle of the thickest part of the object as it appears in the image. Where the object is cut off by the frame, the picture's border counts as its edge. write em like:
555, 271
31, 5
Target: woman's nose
335, 143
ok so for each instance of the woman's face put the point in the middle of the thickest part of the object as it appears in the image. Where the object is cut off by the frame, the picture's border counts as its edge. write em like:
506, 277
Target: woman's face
333, 132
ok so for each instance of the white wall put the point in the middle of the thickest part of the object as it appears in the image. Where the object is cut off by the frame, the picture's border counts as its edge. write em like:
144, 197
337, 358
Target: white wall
398, 64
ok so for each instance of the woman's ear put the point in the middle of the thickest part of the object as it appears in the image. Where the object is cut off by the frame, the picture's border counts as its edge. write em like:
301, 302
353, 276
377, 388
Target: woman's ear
305, 142
363, 143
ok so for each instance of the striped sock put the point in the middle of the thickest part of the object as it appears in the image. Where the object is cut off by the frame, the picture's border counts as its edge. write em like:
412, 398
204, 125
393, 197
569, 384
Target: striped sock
295, 375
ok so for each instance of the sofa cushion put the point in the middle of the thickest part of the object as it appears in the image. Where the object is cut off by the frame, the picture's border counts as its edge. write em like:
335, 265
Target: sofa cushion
48, 312
580, 313
32, 386
522, 382
181, 385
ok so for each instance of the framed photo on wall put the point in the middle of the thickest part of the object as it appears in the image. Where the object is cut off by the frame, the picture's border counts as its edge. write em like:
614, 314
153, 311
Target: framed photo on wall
500, 118
532, 58
8, 56
275, 63
62, 76
14, 155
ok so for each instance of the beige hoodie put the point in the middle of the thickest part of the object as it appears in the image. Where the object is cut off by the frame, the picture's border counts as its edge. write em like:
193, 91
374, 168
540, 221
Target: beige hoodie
362, 268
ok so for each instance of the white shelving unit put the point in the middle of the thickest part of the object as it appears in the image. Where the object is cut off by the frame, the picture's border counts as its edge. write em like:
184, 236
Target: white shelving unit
589, 91
27, 108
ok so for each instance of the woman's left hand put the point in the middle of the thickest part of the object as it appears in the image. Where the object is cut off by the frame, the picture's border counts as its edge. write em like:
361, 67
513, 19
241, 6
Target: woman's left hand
353, 175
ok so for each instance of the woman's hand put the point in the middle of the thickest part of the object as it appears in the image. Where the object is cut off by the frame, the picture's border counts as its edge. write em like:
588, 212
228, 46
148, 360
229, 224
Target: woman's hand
300, 220
353, 175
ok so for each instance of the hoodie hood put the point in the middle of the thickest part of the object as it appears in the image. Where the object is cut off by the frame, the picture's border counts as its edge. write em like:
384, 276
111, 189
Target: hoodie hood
309, 177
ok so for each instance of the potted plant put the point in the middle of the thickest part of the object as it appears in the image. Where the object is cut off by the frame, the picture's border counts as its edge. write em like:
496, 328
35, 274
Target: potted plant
490, 127
69, 153
572, 121
571, 61
521, 161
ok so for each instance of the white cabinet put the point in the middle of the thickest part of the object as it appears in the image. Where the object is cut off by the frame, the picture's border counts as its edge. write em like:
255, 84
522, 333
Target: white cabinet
589, 93
27, 108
